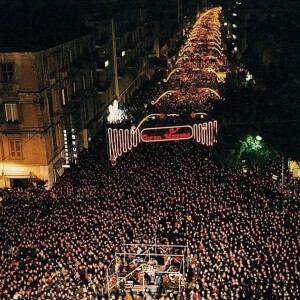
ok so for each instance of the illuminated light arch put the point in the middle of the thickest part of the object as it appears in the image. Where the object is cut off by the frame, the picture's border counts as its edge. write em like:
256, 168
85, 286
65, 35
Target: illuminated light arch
216, 33
197, 55
181, 58
217, 48
144, 119
174, 71
192, 37
164, 94
188, 48
211, 70
213, 57
216, 25
216, 39
219, 52
121, 140
204, 90
186, 45
213, 43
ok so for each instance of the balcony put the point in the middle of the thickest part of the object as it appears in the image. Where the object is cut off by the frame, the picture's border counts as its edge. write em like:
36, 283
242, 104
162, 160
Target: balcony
121, 53
102, 64
11, 126
8, 88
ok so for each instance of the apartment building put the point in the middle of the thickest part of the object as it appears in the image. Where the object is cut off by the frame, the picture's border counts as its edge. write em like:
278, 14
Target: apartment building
123, 43
49, 104
55, 85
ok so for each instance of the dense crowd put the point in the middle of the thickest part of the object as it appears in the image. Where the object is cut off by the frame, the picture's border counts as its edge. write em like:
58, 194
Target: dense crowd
191, 83
242, 228
243, 233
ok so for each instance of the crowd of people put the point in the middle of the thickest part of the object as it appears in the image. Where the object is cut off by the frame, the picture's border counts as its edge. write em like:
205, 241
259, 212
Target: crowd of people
242, 228
57, 244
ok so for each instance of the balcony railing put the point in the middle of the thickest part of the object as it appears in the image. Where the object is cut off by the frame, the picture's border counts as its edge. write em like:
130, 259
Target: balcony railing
103, 63
8, 88
10, 126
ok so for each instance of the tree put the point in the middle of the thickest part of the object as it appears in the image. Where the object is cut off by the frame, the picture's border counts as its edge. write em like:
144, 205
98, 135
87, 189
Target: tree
239, 147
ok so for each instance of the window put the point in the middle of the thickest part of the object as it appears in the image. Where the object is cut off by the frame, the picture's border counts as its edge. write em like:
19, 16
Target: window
15, 149
11, 112
59, 60
64, 96
54, 139
74, 88
45, 66
83, 82
7, 72
85, 111
71, 55
92, 77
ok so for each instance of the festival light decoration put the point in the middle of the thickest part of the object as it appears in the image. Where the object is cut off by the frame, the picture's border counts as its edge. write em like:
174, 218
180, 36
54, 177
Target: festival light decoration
205, 133
164, 94
173, 71
180, 59
204, 90
123, 140
147, 118
116, 115
213, 71
212, 57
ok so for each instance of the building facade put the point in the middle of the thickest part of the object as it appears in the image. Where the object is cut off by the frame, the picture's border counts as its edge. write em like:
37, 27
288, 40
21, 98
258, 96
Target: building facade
51, 99
123, 43
48, 104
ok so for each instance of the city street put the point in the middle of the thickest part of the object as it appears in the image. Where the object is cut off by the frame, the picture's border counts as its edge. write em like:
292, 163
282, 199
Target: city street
216, 233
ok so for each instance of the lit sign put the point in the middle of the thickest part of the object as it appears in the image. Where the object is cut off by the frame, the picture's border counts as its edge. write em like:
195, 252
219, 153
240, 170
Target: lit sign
123, 140
74, 147
162, 134
67, 161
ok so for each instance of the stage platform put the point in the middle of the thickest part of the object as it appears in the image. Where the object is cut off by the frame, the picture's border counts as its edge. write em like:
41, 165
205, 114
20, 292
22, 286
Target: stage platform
152, 268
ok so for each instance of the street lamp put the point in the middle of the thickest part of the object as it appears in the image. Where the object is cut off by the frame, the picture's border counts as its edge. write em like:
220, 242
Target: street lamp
258, 138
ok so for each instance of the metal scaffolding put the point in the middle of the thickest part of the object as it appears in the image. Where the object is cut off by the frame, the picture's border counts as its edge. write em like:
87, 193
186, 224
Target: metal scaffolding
153, 268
